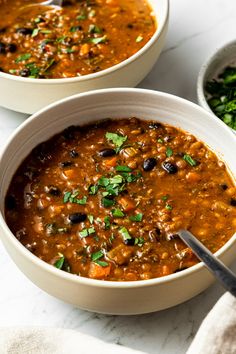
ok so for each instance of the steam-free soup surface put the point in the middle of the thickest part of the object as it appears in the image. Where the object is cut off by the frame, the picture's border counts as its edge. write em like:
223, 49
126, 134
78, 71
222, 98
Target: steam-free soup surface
106, 200
83, 37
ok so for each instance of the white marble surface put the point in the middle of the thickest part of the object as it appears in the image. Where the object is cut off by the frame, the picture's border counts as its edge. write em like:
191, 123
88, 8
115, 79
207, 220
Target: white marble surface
196, 29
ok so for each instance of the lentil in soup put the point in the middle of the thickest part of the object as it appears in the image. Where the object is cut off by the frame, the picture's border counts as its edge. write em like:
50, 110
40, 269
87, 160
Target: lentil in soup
83, 37
106, 200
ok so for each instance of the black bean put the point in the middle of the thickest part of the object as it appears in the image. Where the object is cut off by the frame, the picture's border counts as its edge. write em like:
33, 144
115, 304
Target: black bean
54, 191
107, 152
130, 241
74, 154
10, 202
11, 48
66, 164
67, 3
130, 25
149, 164
69, 133
25, 72
24, 30
233, 201
2, 48
172, 237
77, 217
169, 167
223, 186
3, 30
155, 125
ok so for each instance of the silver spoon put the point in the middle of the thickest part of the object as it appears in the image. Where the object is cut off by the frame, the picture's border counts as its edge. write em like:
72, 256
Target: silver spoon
52, 3
220, 271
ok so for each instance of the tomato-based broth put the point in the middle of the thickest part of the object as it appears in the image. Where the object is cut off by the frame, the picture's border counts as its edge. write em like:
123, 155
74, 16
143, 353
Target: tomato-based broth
82, 37
106, 200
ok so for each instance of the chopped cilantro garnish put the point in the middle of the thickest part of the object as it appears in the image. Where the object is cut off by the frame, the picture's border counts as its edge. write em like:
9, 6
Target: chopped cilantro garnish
69, 50
49, 64
111, 238
103, 181
91, 218
116, 139
98, 40
139, 241
117, 179
97, 255
72, 198
34, 70
107, 202
139, 39
189, 160
82, 16
93, 189
160, 141
169, 207
59, 262
120, 168
35, 32
107, 222
23, 57
102, 263
165, 197
117, 213
94, 29
87, 232
45, 31
124, 233
169, 151
137, 217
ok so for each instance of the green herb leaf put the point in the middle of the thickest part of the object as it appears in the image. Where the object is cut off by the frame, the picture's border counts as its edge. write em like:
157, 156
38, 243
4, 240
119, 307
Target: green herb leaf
106, 203
59, 263
117, 213
87, 232
165, 197
46, 31
139, 39
82, 16
116, 139
136, 217
117, 179
102, 263
93, 189
35, 32
107, 222
98, 40
23, 57
120, 168
169, 151
124, 233
81, 201
169, 207
97, 255
189, 160
111, 238
139, 241
66, 197
94, 29
69, 50
160, 141
49, 64
91, 218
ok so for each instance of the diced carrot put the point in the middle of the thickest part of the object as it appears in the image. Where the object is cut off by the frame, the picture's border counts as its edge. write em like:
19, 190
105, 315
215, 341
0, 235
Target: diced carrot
166, 270
84, 50
193, 177
127, 204
110, 162
69, 174
98, 272
55, 209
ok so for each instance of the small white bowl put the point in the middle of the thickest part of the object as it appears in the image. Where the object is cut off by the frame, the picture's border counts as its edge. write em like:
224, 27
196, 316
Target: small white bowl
28, 95
215, 65
109, 296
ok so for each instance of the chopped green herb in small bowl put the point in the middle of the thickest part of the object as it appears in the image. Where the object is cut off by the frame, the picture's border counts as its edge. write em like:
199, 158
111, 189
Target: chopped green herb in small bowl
216, 86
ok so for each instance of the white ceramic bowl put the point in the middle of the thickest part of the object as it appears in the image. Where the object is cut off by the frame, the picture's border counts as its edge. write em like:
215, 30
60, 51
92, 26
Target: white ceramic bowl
104, 296
222, 58
29, 95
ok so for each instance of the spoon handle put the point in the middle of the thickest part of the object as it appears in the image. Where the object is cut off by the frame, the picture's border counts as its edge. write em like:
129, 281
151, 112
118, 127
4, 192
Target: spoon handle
221, 272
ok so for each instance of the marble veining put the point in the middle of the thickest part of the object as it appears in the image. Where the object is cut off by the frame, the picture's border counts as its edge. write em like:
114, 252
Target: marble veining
196, 29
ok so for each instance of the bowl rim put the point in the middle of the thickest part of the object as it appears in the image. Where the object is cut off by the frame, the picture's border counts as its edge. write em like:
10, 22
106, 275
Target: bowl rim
202, 76
95, 282
110, 70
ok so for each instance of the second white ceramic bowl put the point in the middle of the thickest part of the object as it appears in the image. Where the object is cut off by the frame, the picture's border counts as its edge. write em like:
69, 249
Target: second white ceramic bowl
29, 95
108, 296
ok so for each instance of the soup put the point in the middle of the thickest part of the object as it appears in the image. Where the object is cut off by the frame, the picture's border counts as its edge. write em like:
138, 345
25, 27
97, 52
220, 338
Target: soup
83, 37
106, 200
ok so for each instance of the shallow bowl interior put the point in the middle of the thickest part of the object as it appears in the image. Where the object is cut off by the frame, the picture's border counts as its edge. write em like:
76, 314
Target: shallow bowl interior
103, 296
